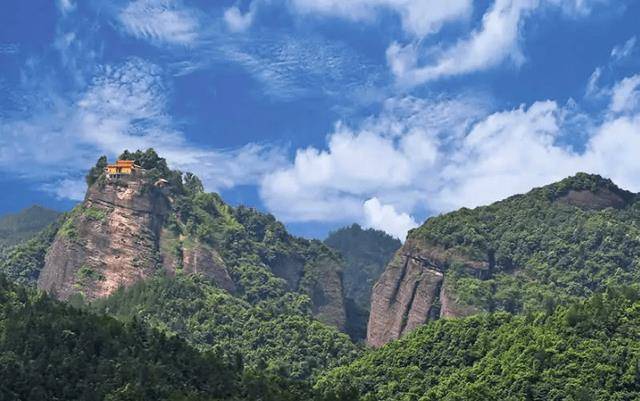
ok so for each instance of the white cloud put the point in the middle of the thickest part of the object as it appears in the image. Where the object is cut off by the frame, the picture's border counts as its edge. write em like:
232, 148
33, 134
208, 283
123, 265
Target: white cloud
73, 189
163, 21
495, 41
123, 108
386, 218
418, 157
66, 6
625, 95
419, 17
388, 157
237, 21
625, 50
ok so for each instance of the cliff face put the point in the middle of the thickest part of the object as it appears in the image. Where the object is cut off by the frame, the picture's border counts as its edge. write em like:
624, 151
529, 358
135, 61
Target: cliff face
110, 240
412, 291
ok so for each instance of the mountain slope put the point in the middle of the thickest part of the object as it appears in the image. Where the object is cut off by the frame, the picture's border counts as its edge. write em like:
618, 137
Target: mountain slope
588, 351
556, 244
279, 337
134, 227
19, 227
51, 351
366, 253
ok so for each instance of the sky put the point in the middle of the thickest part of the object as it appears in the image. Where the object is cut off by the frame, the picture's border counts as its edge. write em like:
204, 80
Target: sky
322, 112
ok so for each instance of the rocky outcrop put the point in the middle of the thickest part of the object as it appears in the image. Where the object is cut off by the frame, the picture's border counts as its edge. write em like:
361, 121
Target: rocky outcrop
413, 290
593, 200
195, 258
109, 241
323, 283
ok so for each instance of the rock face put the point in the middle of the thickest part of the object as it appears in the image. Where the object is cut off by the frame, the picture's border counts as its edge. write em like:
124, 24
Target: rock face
110, 240
413, 290
194, 259
326, 292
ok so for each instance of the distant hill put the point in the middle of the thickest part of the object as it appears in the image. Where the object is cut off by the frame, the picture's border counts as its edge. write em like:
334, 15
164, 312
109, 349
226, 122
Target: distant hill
18, 227
366, 253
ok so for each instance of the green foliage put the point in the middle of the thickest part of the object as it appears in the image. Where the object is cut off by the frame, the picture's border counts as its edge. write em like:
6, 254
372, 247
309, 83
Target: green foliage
278, 337
19, 227
50, 351
22, 263
96, 171
588, 351
94, 213
541, 250
366, 254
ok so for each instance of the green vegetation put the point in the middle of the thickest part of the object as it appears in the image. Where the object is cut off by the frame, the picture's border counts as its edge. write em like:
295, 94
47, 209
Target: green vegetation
22, 263
586, 352
51, 351
366, 254
280, 337
19, 227
541, 250
95, 214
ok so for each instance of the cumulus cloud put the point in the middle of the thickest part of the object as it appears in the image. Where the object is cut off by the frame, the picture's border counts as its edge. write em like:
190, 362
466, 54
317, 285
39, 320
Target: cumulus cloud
123, 108
419, 17
625, 95
162, 21
386, 218
401, 163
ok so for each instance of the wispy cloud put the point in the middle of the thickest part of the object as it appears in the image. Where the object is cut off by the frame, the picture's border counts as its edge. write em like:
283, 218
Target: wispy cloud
495, 42
624, 50
163, 21
124, 107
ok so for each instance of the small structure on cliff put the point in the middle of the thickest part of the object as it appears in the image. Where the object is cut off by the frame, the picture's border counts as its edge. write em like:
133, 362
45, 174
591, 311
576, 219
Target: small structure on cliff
121, 168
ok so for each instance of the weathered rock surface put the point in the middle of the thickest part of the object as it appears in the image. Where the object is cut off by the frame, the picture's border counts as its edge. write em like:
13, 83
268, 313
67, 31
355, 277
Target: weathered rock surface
593, 200
194, 259
412, 291
109, 241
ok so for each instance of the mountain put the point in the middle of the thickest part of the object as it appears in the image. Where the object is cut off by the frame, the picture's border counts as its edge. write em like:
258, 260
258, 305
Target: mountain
586, 351
133, 227
366, 253
18, 227
554, 245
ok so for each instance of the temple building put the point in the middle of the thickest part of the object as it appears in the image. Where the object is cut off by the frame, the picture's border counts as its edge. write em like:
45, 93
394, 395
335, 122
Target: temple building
120, 168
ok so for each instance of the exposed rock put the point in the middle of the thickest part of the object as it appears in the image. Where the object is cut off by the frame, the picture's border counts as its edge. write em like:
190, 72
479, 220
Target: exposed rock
109, 241
194, 259
410, 291
323, 283
602, 198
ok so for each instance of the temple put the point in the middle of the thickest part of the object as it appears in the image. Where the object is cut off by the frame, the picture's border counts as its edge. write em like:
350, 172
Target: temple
120, 168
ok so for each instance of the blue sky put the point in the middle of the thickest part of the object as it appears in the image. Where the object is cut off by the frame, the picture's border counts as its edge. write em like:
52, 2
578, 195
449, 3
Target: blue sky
322, 112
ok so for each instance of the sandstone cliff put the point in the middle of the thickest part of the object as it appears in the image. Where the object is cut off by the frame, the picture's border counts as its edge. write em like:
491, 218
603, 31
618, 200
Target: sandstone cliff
412, 290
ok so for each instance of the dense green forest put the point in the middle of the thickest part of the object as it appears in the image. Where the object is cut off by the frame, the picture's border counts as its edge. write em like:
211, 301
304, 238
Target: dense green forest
542, 248
52, 351
18, 227
585, 352
366, 254
279, 337
22, 262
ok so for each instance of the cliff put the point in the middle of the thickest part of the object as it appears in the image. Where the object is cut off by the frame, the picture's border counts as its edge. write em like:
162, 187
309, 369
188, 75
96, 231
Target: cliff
161, 221
553, 245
